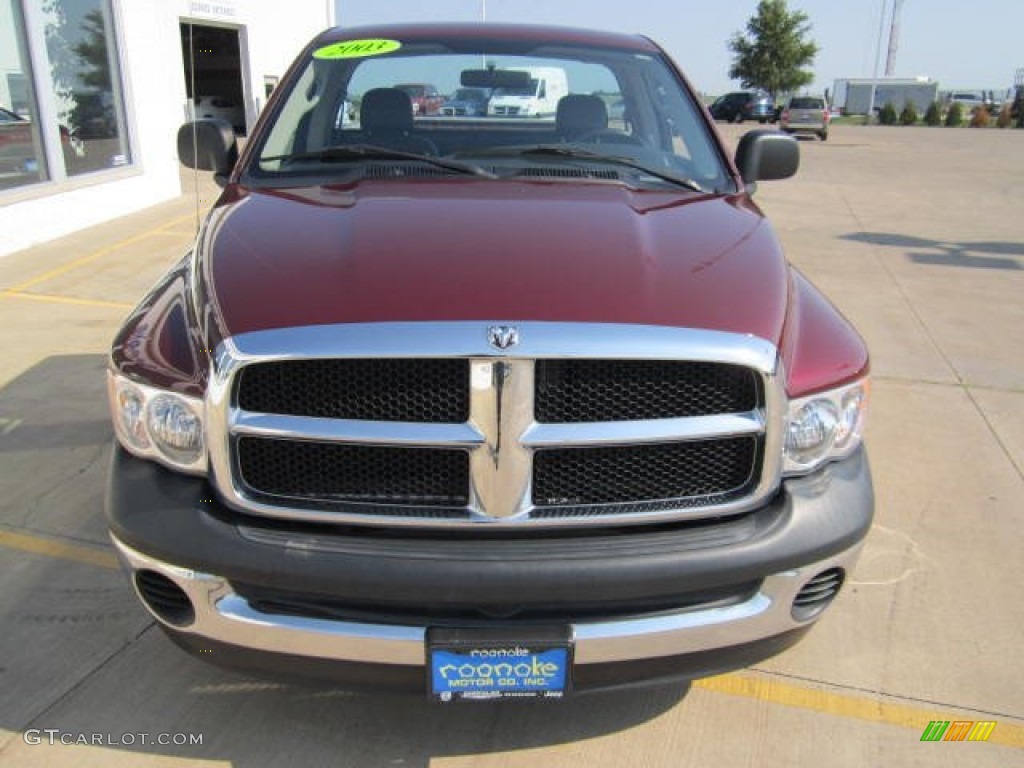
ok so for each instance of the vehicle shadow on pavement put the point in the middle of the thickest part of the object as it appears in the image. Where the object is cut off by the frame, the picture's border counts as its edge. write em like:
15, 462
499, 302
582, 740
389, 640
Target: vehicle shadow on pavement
81, 656
920, 250
153, 688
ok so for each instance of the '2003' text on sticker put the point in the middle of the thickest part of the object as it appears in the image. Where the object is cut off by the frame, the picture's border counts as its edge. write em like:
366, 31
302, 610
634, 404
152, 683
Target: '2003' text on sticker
356, 49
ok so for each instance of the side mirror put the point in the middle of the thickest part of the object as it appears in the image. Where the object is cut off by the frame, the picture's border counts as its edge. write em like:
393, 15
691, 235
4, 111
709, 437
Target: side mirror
766, 155
208, 145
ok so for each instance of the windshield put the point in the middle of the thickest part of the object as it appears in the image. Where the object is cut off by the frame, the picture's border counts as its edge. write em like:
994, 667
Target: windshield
615, 103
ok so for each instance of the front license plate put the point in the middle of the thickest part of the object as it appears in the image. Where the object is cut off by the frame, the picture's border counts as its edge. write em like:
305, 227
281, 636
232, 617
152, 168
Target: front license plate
482, 665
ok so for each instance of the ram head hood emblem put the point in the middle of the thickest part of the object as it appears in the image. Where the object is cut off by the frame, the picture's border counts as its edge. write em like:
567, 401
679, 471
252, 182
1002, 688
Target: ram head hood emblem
503, 336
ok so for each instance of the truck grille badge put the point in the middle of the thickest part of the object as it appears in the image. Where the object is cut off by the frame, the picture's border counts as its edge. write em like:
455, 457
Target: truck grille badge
503, 336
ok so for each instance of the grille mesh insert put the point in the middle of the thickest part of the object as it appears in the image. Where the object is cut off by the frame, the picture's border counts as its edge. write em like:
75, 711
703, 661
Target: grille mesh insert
434, 391
705, 469
354, 473
573, 391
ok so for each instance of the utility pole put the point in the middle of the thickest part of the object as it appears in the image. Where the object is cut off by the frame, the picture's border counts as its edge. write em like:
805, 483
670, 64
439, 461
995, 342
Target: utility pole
894, 38
878, 56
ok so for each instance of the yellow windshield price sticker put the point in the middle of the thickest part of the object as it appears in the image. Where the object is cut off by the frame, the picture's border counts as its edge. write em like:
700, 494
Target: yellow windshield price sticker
356, 49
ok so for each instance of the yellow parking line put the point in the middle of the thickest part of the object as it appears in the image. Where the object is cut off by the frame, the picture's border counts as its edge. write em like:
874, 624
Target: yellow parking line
58, 549
82, 261
746, 684
65, 299
846, 705
171, 232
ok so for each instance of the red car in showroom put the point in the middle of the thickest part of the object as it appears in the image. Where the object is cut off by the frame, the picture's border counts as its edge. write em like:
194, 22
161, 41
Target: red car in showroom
487, 408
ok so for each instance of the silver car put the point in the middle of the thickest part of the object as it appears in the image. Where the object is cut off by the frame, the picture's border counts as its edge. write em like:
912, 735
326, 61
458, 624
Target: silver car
806, 114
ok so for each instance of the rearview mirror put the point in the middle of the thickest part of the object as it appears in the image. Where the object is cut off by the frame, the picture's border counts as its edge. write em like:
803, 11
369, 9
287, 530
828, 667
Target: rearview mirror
495, 78
208, 145
767, 155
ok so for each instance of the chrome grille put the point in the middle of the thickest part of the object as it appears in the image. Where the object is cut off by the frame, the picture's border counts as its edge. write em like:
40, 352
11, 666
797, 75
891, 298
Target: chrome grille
624, 390
329, 472
701, 470
434, 391
425, 424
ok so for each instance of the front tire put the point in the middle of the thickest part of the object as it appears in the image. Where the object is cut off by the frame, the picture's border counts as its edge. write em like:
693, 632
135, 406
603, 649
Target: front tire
823, 135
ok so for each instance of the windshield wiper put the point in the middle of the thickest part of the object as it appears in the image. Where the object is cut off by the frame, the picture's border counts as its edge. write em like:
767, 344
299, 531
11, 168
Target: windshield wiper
574, 153
347, 152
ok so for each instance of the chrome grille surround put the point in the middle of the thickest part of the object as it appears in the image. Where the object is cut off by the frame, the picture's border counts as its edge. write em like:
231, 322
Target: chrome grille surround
501, 434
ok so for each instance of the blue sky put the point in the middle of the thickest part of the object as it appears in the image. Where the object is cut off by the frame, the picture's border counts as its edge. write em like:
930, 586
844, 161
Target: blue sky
961, 44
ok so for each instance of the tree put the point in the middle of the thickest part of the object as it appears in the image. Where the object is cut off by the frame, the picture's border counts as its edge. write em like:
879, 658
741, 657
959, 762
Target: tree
93, 115
955, 115
1005, 118
775, 49
909, 114
888, 115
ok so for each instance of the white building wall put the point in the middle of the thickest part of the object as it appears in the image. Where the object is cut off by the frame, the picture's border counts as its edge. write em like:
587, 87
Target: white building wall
154, 91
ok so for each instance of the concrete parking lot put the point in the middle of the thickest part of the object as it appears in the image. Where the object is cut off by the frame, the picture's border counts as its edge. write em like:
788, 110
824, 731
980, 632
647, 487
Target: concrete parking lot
917, 235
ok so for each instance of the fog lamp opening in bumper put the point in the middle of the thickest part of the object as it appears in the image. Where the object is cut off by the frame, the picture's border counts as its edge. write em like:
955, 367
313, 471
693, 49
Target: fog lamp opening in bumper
164, 598
817, 594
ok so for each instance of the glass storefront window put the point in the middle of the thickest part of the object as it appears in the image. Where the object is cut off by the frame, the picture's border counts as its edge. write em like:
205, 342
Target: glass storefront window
22, 160
84, 75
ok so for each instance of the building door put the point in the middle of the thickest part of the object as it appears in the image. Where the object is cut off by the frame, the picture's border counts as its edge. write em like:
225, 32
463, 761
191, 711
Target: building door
213, 73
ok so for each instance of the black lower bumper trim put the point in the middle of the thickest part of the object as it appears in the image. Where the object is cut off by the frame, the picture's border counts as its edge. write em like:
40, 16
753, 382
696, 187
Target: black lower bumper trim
175, 519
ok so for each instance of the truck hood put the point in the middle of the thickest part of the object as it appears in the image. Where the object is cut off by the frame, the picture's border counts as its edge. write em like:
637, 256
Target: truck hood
440, 250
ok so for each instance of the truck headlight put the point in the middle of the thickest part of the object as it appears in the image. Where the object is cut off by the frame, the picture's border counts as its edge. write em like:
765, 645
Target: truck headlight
824, 427
157, 424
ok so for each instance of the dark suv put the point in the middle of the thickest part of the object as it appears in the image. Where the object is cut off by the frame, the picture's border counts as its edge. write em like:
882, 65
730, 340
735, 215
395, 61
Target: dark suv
744, 105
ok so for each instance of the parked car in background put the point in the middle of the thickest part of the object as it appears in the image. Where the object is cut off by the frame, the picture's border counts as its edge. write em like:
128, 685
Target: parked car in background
744, 105
466, 102
536, 96
426, 100
19, 155
806, 114
223, 107
969, 100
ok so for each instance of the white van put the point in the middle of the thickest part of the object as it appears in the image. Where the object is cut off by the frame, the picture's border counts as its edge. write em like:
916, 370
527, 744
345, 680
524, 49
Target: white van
537, 99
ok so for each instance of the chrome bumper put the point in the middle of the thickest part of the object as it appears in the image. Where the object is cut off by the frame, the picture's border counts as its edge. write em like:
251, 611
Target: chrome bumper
222, 615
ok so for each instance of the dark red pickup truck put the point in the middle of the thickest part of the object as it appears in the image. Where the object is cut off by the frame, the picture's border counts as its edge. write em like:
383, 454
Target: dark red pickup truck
487, 408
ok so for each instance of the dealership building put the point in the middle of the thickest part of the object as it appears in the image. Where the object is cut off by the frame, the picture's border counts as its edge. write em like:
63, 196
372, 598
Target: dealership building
92, 93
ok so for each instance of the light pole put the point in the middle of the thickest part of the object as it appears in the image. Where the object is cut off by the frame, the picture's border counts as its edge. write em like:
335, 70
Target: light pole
878, 56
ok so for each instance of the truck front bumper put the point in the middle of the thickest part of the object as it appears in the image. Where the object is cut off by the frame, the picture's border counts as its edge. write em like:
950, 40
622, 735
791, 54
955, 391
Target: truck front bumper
167, 528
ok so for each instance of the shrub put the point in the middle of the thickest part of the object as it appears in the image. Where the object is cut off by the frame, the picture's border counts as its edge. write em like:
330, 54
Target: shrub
933, 116
887, 115
955, 115
980, 118
1005, 117
909, 114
